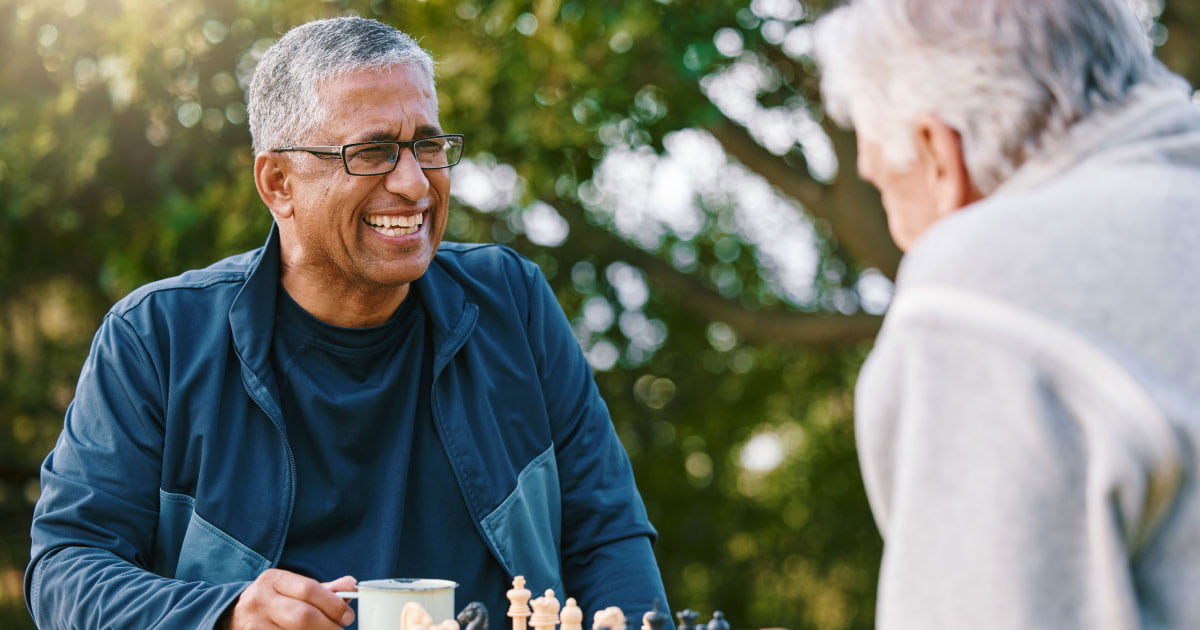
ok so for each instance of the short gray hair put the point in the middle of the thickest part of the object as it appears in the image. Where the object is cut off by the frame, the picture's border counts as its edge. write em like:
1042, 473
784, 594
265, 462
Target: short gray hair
1011, 76
283, 103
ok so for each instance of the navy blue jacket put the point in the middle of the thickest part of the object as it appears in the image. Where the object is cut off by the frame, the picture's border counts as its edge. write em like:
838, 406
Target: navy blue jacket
172, 484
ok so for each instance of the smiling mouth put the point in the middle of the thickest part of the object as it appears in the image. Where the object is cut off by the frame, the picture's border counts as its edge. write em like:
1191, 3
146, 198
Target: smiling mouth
395, 225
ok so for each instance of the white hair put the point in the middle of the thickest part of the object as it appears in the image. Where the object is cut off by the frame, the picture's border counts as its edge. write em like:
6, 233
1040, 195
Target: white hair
283, 103
1011, 76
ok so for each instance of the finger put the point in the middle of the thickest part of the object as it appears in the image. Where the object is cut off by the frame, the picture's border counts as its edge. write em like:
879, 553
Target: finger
315, 594
294, 614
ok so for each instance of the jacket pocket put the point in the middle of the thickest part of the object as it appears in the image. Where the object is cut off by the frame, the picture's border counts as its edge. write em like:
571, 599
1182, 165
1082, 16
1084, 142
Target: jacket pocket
190, 548
526, 528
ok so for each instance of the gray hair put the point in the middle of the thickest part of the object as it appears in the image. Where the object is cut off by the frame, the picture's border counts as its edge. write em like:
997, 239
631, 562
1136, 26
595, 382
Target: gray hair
1011, 76
283, 103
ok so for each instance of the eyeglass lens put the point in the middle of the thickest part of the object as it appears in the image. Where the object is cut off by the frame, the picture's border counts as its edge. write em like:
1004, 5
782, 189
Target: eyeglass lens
375, 158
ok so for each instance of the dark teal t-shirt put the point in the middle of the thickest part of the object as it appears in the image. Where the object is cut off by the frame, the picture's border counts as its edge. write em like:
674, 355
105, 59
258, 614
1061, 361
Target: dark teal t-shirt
375, 494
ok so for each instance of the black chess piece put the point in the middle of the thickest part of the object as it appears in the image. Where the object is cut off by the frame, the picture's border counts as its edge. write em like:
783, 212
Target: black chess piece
655, 619
687, 619
718, 622
473, 617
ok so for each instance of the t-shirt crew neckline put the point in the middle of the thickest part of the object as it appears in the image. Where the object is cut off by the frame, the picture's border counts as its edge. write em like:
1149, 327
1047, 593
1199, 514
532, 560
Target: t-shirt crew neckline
339, 339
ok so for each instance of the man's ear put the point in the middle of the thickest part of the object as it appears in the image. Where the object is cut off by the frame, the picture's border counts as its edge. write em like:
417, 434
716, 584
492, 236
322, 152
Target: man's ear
272, 177
940, 151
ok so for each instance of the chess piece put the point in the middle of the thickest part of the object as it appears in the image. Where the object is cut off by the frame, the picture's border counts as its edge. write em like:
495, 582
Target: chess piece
654, 619
519, 608
571, 617
414, 617
473, 617
718, 622
449, 624
610, 618
545, 611
687, 619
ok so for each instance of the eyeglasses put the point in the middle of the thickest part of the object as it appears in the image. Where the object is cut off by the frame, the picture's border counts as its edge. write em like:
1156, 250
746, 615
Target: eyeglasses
380, 158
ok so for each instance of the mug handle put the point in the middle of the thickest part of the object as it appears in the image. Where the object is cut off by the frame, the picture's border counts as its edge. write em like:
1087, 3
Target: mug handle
347, 594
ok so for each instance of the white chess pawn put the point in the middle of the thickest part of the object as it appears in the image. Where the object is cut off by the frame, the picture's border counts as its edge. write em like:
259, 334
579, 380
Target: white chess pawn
414, 617
572, 616
519, 598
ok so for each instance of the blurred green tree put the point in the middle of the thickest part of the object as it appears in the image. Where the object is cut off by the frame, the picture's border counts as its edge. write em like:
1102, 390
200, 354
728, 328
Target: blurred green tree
666, 162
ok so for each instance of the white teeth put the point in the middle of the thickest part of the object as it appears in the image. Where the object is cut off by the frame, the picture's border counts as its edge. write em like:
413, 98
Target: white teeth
395, 225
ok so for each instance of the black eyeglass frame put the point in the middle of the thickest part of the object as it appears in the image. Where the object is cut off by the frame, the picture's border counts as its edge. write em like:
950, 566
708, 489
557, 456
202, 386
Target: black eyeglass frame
330, 152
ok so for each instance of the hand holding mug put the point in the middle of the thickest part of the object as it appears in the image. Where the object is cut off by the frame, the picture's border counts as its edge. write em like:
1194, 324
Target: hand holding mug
289, 601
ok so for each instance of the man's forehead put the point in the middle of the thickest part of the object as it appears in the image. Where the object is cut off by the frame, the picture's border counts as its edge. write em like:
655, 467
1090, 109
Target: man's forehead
400, 88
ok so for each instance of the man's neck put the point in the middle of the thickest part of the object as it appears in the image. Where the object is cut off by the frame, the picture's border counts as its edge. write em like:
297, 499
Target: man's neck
341, 306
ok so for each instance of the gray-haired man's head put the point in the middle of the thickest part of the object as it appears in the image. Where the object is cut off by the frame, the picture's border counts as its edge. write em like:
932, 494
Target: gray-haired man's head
1009, 75
283, 100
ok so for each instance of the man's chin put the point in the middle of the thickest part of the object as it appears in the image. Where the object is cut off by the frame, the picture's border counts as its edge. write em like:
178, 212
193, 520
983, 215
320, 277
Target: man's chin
403, 274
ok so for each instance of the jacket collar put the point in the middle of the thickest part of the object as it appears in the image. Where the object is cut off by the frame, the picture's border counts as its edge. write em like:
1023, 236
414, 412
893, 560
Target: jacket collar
252, 315
252, 324
1150, 110
451, 316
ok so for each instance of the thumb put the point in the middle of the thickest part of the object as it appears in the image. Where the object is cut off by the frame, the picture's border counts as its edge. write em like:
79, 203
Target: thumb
344, 583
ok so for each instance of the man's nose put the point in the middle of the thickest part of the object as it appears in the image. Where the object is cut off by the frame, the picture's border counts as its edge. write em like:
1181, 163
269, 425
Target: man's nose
408, 178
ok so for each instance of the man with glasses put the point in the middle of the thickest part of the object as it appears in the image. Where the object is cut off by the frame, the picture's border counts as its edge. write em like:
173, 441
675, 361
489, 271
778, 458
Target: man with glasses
355, 398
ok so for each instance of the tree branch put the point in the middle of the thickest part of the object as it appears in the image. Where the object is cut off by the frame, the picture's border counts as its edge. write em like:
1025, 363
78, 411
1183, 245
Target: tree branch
848, 205
738, 143
771, 325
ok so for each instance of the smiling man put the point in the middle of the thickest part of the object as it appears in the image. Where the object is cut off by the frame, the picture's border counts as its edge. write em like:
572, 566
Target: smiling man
1028, 421
352, 246
355, 399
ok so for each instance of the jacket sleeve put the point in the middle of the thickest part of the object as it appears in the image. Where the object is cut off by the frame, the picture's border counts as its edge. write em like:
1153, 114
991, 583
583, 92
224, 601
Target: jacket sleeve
606, 551
1014, 471
94, 524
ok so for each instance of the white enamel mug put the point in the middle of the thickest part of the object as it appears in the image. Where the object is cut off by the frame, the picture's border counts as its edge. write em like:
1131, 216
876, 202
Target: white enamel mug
381, 602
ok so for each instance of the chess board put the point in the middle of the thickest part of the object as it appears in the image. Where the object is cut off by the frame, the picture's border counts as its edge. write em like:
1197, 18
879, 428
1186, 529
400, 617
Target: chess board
547, 613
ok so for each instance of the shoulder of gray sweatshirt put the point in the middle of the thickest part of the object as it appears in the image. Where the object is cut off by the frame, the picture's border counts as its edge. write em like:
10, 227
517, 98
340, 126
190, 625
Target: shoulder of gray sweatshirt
1028, 420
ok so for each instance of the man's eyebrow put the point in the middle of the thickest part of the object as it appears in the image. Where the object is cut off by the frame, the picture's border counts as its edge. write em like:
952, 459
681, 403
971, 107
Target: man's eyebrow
422, 131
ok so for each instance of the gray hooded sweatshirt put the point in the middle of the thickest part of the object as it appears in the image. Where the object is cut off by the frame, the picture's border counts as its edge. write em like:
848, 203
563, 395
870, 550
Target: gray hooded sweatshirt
1029, 419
